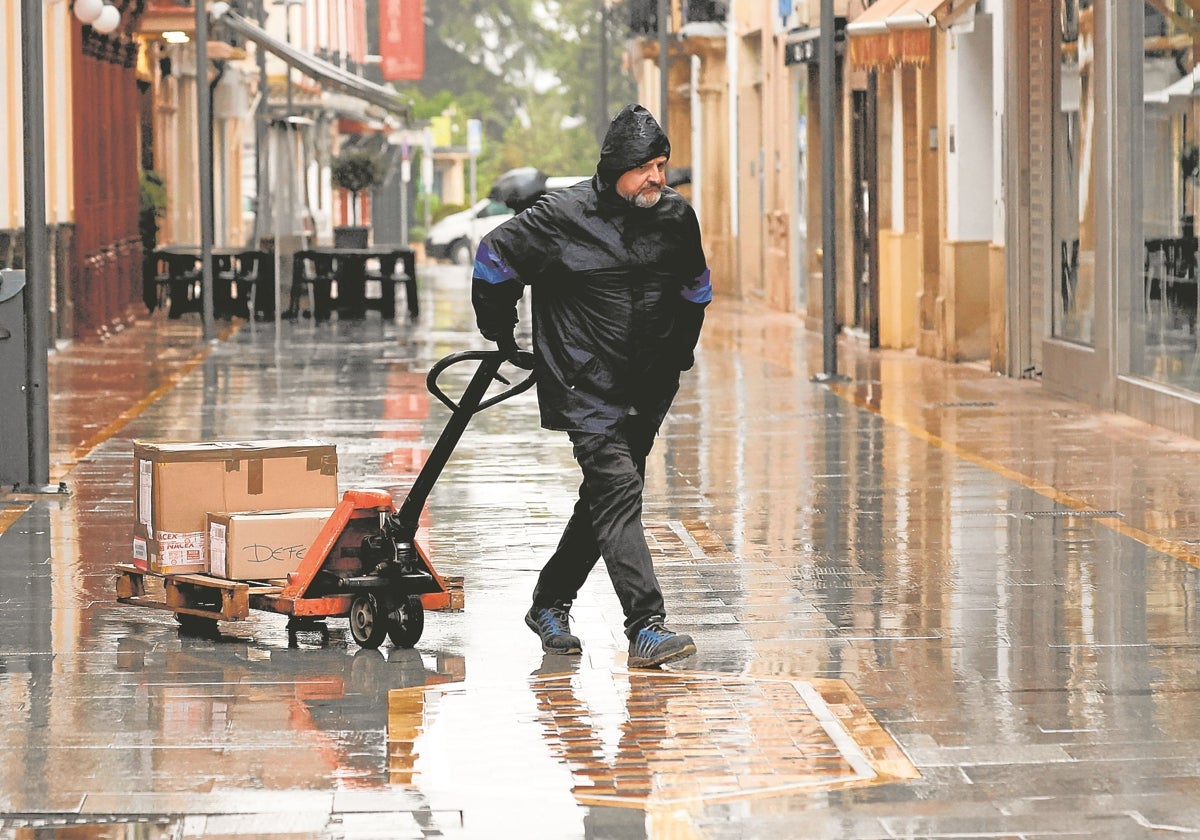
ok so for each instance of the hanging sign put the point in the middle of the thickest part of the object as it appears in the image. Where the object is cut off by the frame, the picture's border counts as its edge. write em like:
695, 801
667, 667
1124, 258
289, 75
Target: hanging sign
402, 39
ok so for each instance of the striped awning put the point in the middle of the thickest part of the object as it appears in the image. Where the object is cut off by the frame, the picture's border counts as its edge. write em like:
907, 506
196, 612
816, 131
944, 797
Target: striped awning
892, 32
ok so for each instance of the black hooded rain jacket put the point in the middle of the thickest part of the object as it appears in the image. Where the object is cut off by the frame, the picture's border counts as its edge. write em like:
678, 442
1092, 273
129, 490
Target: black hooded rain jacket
618, 292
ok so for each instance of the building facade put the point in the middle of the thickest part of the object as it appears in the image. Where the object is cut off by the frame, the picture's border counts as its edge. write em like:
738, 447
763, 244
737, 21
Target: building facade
124, 101
1016, 182
91, 129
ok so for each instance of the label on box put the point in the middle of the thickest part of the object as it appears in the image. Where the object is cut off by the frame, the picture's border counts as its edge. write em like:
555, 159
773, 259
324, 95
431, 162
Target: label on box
141, 557
145, 482
216, 548
177, 549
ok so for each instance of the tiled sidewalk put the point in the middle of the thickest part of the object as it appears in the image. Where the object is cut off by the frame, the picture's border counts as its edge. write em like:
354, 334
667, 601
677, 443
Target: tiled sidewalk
925, 601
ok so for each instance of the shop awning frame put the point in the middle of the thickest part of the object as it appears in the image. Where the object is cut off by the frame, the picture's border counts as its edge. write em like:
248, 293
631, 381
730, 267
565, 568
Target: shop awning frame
893, 32
316, 68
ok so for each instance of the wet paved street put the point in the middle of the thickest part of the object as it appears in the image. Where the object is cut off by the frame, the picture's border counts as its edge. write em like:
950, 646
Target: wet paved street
929, 602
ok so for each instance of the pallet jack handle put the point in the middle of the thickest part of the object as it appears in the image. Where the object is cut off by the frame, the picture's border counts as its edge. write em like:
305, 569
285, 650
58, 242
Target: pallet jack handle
402, 525
489, 371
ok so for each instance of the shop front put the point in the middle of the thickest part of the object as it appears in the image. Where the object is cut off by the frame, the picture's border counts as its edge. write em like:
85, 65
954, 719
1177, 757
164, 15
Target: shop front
1102, 292
1162, 364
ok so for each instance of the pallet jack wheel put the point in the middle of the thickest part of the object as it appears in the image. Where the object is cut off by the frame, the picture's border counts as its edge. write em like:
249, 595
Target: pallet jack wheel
368, 620
408, 622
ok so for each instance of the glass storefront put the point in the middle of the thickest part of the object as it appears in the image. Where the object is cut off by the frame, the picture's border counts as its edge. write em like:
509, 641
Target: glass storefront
1075, 135
1163, 344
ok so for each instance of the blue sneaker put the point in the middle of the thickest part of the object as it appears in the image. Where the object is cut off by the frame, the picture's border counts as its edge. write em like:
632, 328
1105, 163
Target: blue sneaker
552, 625
654, 645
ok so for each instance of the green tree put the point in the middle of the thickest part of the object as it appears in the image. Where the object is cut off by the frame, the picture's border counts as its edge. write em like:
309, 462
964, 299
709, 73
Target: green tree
525, 68
356, 170
548, 138
152, 206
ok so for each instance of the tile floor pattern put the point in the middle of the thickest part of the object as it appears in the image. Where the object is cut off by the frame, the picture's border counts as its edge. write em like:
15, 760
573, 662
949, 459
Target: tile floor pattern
894, 534
665, 738
689, 738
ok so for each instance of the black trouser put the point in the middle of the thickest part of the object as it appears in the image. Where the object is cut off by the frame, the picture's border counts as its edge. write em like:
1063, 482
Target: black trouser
607, 522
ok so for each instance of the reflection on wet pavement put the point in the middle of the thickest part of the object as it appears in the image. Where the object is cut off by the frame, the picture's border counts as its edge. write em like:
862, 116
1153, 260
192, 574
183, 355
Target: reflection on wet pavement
661, 740
979, 582
71, 827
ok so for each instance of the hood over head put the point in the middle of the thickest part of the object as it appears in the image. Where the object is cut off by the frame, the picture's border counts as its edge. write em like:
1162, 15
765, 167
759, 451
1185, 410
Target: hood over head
633, 138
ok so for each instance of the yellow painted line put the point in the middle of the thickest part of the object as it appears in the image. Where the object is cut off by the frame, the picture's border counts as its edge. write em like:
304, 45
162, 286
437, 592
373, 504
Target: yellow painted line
9, 515
1176, 550
125, 417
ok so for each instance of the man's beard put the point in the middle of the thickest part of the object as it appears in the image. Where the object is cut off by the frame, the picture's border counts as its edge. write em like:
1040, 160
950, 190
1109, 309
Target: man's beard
646, 198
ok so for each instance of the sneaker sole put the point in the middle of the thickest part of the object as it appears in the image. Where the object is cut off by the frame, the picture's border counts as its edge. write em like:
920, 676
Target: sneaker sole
573, 650
662, 659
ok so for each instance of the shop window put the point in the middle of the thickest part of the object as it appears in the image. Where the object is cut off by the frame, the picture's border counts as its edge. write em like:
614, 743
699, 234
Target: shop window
1162, 297
1075, 135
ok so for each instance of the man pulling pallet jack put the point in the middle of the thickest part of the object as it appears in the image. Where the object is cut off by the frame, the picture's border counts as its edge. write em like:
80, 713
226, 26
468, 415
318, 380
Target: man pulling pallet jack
618, 284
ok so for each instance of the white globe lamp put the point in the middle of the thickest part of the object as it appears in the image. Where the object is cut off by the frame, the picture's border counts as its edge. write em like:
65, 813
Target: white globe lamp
109, 20
86, 11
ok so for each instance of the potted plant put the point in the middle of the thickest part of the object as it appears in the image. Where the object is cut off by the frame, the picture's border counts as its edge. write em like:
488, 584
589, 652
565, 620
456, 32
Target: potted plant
152, 206
355, 170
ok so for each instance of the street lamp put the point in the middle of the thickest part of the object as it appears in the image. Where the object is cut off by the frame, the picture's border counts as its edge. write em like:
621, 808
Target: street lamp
86, 11
101, 16
109, 20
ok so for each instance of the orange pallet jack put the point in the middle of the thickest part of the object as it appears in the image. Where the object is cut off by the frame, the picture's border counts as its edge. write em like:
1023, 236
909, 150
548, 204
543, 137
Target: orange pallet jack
365, 564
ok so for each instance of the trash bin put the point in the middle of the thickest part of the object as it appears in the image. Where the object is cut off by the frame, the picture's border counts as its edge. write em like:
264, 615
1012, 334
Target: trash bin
14, 414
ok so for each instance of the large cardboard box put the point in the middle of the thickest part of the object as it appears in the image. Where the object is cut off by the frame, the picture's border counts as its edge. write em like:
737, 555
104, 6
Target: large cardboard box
177, 484
261, 545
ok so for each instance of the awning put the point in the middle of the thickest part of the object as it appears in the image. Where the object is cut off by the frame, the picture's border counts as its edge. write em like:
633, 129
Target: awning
894, 32
316, 68
1179, 94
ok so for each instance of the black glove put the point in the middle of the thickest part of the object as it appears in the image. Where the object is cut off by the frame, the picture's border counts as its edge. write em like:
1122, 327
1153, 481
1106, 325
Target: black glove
514, 354
686, 332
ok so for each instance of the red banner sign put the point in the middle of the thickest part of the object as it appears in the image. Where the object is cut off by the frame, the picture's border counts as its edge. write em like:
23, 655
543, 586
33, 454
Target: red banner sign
402, 39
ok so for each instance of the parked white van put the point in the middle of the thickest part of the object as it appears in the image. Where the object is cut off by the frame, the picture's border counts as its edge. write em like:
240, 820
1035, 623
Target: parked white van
456, 237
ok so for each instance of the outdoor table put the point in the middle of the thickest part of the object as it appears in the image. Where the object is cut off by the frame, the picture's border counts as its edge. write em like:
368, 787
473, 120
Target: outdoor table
349, 271
232, 288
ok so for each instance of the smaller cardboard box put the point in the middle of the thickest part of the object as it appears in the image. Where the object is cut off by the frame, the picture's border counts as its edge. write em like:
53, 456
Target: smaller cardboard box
261, 544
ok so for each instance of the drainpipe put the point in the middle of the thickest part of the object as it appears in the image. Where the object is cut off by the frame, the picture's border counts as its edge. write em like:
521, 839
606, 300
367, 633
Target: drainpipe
731, 60
697, 142
36, 302
664, 65
602, 122
260, 135
212, 124
205, 157
826, 60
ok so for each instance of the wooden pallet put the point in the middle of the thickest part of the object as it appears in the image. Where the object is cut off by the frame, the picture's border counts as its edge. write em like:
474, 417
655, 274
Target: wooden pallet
202, 596
205, 596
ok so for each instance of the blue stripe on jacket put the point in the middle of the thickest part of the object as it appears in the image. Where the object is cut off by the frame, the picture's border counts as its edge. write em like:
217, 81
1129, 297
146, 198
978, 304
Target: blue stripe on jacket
698, 290
490, 268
